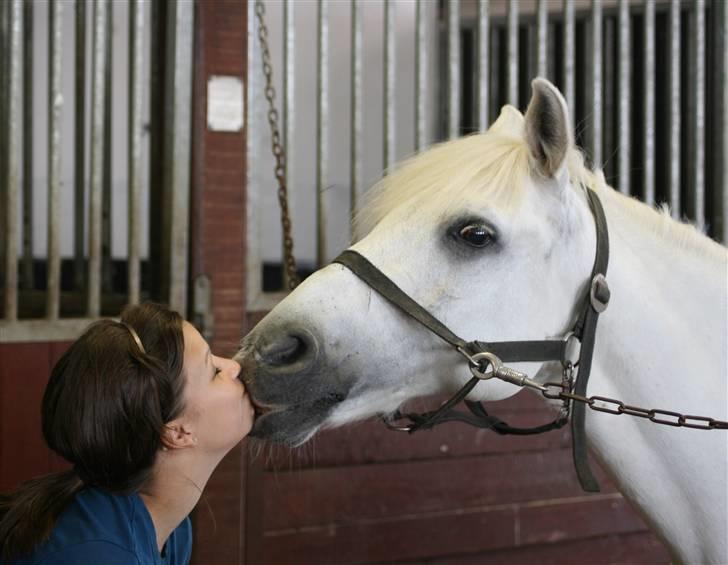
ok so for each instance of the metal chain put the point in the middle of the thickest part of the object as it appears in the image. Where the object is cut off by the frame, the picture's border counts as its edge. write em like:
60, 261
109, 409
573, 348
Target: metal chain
613, 406
278, 150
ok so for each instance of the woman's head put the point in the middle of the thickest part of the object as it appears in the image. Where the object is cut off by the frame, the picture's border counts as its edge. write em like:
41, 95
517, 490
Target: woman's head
107, 400
112, 404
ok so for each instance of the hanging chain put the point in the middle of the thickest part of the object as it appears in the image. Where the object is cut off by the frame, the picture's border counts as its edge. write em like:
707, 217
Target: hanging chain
278, 150
612, 406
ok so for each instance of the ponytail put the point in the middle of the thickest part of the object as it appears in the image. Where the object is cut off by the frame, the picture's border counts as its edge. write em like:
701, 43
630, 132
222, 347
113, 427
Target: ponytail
103, 411
28, 514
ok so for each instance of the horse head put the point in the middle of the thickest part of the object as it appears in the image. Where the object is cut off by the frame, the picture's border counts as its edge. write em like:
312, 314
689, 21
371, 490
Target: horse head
490, 233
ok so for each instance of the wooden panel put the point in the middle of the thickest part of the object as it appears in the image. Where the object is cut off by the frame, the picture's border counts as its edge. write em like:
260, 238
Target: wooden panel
467, 532
344, 494
393, 540
24, 371
635, 549
57, 463
372, 442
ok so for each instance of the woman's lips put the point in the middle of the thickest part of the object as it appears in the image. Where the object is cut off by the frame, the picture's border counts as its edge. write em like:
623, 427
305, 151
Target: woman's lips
260, 409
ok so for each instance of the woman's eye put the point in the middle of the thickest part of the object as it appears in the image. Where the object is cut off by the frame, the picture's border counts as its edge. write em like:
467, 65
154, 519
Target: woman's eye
477, 235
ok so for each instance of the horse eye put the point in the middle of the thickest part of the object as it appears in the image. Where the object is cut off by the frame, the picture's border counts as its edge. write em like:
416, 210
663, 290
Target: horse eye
477, 235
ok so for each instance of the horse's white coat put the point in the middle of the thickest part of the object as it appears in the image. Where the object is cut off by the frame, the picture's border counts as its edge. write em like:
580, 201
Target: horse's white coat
661, 343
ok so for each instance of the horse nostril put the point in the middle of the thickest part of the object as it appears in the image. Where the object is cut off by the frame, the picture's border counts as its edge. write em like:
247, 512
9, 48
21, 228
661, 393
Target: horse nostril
285, 350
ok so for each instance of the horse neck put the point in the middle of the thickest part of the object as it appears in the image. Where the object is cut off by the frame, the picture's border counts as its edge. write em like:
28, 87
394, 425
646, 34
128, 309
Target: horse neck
667, 315
661, 344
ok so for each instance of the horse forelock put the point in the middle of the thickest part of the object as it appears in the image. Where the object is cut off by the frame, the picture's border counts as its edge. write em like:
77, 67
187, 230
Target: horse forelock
490, 167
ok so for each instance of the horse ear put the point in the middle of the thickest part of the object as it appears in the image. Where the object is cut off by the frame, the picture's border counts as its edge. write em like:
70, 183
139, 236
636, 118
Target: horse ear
548, 131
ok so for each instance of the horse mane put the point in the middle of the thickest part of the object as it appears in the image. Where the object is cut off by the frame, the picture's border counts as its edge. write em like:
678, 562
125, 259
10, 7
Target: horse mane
497, 162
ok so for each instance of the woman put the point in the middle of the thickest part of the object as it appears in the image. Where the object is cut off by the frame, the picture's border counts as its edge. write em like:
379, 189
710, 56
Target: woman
144, 413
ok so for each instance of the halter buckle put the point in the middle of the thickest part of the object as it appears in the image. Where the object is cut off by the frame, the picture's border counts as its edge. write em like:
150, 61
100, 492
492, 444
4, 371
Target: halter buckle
599, 293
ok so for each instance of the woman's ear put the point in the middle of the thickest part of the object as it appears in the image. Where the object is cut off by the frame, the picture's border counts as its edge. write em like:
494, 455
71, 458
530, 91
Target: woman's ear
177, 435
548, 131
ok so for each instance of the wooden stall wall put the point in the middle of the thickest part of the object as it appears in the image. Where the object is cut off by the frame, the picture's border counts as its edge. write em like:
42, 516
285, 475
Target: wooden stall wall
24, 372
365, 494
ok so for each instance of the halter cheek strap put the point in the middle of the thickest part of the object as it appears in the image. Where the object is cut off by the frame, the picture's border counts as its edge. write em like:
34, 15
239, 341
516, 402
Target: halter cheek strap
510, 351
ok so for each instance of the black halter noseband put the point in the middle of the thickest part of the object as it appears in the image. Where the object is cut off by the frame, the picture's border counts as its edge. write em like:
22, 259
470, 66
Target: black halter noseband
481, 354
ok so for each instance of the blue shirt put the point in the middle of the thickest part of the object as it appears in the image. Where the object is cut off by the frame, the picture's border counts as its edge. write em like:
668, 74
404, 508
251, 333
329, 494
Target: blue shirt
109, 529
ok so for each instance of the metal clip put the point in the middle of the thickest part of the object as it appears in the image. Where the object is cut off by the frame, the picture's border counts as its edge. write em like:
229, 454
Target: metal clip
499, 371
599, 293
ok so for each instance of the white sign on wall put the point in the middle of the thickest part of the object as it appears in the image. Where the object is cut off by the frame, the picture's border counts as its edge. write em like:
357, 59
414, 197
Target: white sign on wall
225, 103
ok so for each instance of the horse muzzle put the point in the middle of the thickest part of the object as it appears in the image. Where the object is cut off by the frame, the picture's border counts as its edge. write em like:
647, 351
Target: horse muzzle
288, 382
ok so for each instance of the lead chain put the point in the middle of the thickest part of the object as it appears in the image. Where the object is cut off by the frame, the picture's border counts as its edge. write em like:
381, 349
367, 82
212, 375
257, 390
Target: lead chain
617, 407
278, 150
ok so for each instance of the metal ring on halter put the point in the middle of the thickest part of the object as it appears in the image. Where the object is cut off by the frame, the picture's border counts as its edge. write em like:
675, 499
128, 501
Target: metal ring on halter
571, 351
479, 369
391, 426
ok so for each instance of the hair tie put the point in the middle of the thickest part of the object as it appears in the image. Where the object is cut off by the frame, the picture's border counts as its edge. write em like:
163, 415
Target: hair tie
135, 336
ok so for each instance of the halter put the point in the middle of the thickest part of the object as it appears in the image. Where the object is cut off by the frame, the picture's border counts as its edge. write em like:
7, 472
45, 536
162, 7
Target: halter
574, 351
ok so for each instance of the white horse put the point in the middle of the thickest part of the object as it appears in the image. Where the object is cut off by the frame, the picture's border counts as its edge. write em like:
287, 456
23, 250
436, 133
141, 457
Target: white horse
493, 235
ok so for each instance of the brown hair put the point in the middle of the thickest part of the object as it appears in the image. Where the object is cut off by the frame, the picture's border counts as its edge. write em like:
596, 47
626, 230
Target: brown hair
104, 411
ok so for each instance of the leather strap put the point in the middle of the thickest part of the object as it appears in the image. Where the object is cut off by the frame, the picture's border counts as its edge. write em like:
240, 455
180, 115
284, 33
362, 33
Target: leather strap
509, 351
585, 330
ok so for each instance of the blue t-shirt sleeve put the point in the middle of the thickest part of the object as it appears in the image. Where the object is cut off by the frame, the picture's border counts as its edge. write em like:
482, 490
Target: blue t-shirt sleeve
90, 552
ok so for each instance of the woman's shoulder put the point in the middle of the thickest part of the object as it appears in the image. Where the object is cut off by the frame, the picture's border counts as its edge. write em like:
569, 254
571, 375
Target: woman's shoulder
95, 524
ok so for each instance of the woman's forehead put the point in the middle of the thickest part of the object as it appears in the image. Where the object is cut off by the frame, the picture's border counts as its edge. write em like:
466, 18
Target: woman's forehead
195, 346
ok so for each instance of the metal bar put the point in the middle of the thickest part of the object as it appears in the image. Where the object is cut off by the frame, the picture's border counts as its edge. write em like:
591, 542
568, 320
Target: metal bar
674, 188
596, 109
513, 53
177, 147
96, 158
542, 42
136, 132
289, 106
356, 104
389, 80
625, 90
322, 124
4, 129
649, 103
106, 212
257, 300
483, 62
14, 83
80, 148
724, 125
569, 55
610, 97
421, 75
453, 67
496, 54
55, 103
37, 331
27, 280
698, 118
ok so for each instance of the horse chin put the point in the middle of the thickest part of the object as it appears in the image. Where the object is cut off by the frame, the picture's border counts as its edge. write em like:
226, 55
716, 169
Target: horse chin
292, 426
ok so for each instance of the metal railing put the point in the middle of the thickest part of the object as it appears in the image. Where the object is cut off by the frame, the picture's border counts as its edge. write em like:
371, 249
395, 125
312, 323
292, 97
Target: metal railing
640, 78
52, 294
